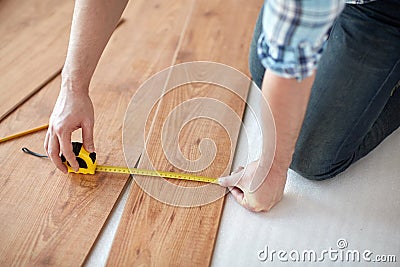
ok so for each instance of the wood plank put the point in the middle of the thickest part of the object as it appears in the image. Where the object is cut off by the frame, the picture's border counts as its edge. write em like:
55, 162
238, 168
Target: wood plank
34, 42
49, 218
152, 233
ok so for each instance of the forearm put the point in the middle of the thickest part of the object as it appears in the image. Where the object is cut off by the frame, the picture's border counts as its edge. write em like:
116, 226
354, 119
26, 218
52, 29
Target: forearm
92, 25
288, 101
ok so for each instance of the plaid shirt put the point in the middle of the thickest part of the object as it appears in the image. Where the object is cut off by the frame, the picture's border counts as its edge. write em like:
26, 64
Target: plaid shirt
294, 33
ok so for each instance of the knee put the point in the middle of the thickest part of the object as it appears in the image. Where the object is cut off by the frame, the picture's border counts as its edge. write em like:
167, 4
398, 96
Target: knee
316, 165
309, 169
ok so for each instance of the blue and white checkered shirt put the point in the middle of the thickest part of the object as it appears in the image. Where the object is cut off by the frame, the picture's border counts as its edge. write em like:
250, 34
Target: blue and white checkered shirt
294, 33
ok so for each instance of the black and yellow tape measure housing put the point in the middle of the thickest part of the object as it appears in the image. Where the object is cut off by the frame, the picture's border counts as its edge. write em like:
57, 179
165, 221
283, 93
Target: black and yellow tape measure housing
87, 161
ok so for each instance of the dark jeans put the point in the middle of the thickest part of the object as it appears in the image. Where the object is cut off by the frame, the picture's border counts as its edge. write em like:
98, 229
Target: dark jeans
354, 104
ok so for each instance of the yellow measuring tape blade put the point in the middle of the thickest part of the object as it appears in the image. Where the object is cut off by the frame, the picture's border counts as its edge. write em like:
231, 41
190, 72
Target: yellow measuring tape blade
172, 175
87, 165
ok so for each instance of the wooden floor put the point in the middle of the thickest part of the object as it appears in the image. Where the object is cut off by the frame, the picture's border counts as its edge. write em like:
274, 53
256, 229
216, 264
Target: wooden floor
49, 218
34, 37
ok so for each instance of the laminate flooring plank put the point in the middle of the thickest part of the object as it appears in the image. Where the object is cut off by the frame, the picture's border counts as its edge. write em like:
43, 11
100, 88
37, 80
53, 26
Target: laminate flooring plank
34, 42
49, 218
163, 233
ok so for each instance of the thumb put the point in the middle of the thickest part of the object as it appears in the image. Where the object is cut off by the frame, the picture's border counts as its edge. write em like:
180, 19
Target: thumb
233, 179
87, 136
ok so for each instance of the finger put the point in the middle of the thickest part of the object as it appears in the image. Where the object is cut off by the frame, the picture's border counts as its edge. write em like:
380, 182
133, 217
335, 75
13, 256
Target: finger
46, 141
87, 136
242, 200
240, 197
66, 150
53, 151
237, 193
238, 169
231, 180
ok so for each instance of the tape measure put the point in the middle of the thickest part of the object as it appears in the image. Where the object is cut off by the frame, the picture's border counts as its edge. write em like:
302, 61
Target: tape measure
88, 165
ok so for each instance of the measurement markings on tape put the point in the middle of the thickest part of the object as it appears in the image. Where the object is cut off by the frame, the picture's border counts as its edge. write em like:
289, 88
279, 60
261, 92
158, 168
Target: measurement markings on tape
88, 165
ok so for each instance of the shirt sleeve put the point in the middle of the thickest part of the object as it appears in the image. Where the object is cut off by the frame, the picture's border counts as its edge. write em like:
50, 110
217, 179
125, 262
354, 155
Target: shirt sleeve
294, 33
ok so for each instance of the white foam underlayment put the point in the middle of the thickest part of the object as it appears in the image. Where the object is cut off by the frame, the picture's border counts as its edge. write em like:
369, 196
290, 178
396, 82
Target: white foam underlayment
360, 207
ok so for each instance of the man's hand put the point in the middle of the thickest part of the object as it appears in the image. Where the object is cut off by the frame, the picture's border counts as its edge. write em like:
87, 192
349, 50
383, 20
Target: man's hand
73, 110
266, 195
288, 100
92, 25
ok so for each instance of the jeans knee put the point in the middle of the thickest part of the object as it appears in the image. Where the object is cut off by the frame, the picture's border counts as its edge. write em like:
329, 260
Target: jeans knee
318, 166
307, 169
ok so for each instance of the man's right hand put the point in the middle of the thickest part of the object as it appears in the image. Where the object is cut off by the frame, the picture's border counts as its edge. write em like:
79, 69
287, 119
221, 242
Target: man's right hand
92, 25
73, 110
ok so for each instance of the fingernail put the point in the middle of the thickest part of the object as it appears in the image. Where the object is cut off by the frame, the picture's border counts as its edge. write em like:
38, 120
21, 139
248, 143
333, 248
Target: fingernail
91, 148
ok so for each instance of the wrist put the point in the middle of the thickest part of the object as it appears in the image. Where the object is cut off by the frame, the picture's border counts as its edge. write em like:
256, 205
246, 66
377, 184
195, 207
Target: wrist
74, 82
281, 157
278, 167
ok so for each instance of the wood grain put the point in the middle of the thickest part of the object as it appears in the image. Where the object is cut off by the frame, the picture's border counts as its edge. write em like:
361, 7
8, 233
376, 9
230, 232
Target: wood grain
152, 233
34, 43
49, 218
